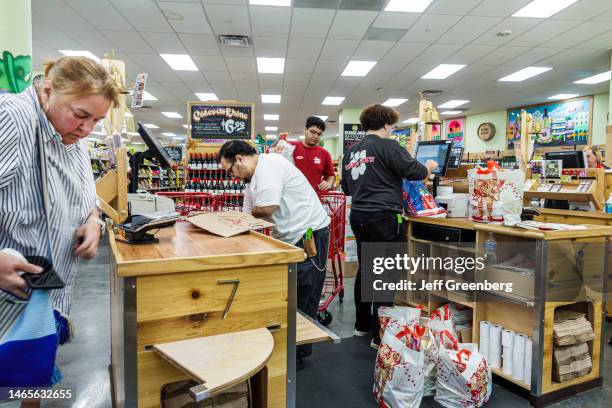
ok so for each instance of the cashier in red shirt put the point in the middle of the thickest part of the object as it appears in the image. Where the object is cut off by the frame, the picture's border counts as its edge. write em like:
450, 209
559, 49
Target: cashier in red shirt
313, 160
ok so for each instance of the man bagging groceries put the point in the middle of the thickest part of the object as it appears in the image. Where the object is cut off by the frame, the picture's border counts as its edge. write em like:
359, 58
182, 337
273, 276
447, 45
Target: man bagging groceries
278, 192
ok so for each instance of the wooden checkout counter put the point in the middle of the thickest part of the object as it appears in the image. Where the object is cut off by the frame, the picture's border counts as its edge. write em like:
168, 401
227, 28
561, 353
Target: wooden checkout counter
193, 284
531, 311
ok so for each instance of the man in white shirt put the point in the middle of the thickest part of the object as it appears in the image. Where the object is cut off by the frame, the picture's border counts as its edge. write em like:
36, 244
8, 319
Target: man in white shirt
278, 192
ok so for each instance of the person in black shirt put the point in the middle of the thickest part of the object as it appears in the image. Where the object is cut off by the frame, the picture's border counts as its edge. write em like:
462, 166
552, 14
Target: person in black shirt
372, 173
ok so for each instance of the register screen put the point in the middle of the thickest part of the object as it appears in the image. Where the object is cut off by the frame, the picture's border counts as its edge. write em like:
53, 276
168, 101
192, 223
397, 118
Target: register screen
437, 152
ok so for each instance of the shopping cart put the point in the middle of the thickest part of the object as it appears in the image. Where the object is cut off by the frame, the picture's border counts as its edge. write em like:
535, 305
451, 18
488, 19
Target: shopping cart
334, 203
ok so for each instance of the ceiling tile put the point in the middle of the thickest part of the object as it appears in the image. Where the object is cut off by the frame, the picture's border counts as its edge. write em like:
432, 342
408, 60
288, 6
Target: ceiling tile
218, 77
414, 70
518, 25
244, 79
224, 90
580, 33
329, 67
191, 76
241, 64
498, 8
535, 56
429, 27
228, 19
384, 34
237, 51
198, 87
386, 70
452, 7
585, 10
163, 75
200, 44
304, 48
323, 80
311, 23
164, 43
296, 80
92, 40
151, 61
270, 21
271, 82
270, 47
543, 32
326, 4
143, 15
363, 4
299, 66
338, 50
372, 50
395, 20
193, 19
607, 16
100, 14
469, 28
128, 41
438, 53
601, 42
349, 24
208, 63
405, 51
502, 55
59, 14
471, 54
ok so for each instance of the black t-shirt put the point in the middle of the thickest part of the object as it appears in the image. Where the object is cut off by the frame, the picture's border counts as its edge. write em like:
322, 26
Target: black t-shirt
372, 173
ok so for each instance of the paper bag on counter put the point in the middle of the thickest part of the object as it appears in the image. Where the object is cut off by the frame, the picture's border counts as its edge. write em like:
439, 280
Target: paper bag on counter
228, 224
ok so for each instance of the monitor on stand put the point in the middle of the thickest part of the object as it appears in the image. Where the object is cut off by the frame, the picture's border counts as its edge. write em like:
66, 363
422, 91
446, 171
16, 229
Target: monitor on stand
156, 153
438, 151
571, 159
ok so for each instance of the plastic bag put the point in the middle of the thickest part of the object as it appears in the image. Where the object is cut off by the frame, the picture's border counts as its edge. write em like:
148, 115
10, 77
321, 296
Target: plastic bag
397, 316
496, 195
418, 201
284, 148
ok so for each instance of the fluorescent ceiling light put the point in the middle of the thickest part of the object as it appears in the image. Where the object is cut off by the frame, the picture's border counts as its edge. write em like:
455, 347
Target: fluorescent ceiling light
595, 79
280, 3
358, 68
151, 126
178, 138
271, 117
271, 127
270, 98
322, 117
411, 121
333, 100
450, 112
206, 96
393, 102
148, 97
524, 74
412, 6
543, 8
443, 71
72, 53
270, 65
453, 103
167, 134
186, 126
562, 96
271, 137
172, 115
179, 62
132, 133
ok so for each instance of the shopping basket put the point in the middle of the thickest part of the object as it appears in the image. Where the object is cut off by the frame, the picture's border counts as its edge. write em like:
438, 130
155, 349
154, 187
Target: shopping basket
334, 203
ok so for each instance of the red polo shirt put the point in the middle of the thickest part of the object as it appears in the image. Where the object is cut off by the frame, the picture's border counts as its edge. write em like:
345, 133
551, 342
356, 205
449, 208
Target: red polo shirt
315, 162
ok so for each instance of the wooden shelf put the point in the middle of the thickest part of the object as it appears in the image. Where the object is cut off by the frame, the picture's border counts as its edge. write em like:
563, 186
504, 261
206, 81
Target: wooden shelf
422, 241
457, 247
560, 385
499, 372
453, 297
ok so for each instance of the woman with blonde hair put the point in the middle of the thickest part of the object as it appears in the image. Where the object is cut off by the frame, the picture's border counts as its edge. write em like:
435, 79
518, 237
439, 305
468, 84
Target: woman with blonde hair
47, 202
594, 158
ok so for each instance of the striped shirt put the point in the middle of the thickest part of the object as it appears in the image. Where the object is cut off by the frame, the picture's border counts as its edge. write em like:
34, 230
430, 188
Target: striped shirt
71, 188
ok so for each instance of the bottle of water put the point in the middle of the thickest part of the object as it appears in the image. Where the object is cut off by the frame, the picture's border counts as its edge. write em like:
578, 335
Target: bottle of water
490, 247
609, 205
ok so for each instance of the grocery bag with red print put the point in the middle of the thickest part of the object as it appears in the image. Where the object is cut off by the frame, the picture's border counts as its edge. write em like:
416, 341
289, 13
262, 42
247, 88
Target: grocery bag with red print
431, 348
418, 201
397, 316
496, 195
463, 377
398, 373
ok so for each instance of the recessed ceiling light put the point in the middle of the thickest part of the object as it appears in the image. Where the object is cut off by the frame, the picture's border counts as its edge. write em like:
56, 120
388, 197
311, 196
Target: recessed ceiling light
443, 71
393, 102
271, 137
562, 96
272, 128
280, 3
151, 126
453, 103
450, 112
179, 62
322, 117
148, 97
411, 121
172, 115
524, 74
332, 100
206, 96
271, 117
270, 65
72, 53
413, 6
595, 79
168, 134
270, 98
543, 8
358, 68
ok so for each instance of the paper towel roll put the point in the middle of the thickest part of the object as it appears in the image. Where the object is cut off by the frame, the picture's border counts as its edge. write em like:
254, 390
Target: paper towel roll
519, 342
528, 354
484, 328
495, 361
484, 347
518, 364
508, 338
507, 362
495, 333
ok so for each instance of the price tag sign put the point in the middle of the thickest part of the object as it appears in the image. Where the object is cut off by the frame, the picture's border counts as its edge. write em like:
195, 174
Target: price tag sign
209, 120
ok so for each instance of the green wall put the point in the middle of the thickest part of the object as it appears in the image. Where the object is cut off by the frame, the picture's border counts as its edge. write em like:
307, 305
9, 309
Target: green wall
15, 45
600, 118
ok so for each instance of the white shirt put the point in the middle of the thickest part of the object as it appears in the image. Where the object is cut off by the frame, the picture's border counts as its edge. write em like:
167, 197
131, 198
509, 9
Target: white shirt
277, 181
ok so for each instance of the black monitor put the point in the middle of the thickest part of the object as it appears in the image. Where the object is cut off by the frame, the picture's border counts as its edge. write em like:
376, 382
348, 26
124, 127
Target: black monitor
572, 159
156, 153
437, 150
454, 161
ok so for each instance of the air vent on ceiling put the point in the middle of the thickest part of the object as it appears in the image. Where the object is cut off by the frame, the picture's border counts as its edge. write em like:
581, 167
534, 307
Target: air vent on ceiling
234, 41
430, 93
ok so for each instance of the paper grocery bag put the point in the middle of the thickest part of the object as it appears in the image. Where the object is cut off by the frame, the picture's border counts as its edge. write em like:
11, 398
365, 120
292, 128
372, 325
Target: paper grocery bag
228, 224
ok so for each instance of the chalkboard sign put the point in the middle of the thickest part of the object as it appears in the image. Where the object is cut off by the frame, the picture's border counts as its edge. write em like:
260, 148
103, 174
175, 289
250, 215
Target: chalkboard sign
175, 152
209, 120
351, 135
